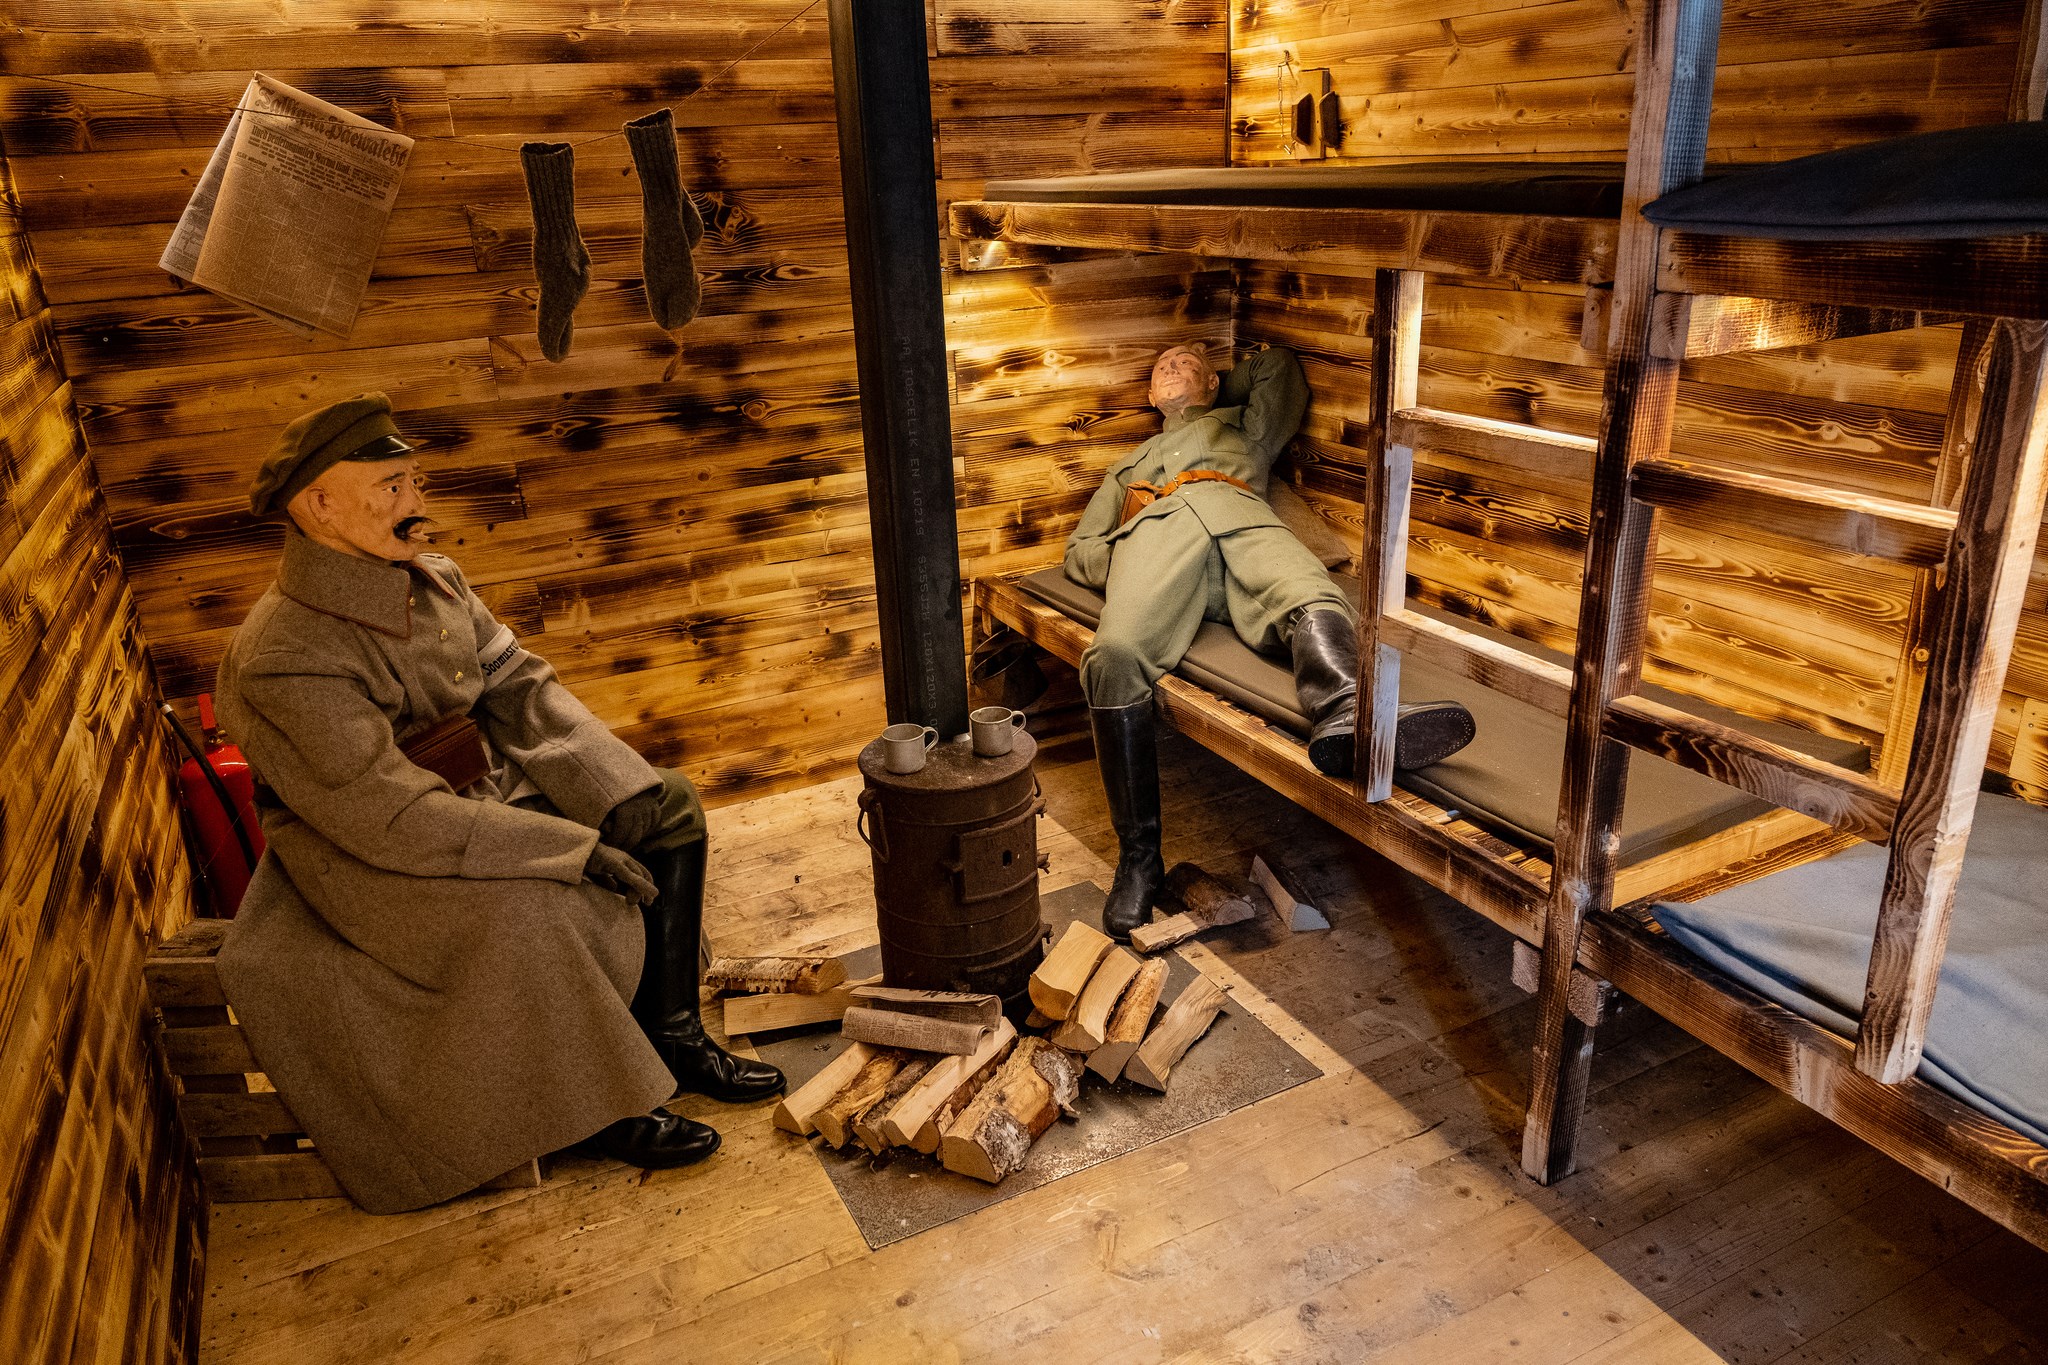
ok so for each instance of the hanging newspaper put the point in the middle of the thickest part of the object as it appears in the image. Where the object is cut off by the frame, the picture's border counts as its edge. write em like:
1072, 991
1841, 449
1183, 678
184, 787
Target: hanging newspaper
291, 210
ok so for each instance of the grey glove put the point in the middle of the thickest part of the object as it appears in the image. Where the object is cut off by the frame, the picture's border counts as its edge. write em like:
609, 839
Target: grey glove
631, 821
619, 872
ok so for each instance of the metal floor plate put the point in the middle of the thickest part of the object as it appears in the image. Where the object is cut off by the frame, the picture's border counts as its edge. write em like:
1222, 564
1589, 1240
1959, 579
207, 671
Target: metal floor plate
901, 1193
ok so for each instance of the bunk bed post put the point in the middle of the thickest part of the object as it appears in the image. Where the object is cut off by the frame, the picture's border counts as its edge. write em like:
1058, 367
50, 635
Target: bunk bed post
1970, 643
1675, 59
881, 79
1383, 569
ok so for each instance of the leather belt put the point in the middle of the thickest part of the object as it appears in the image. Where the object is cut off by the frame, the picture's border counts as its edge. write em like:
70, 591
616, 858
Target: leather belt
1138, 496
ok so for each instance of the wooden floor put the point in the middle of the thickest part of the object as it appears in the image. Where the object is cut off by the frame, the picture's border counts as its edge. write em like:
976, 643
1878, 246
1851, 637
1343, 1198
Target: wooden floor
1376, 1214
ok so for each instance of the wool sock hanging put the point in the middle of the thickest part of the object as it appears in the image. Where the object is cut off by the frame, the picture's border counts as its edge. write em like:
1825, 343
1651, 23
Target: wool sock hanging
559, 261
670, 223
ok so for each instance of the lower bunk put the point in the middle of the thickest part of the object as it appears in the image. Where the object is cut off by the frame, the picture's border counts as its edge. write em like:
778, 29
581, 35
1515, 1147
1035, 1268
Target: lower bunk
1695, 854
1476, 826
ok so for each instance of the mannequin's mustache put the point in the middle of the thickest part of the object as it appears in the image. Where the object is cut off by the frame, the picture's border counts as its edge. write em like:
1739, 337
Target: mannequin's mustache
411, 528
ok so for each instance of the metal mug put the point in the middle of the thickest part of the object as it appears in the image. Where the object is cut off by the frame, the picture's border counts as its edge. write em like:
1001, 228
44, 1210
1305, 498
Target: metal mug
994, 729
904, 746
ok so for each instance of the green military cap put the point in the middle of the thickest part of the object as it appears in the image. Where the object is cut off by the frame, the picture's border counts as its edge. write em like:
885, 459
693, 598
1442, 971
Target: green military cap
358, 428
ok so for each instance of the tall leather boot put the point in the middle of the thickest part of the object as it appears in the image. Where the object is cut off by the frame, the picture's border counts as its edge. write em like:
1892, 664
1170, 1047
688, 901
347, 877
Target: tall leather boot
1326, 680
1127, 751
665, 1005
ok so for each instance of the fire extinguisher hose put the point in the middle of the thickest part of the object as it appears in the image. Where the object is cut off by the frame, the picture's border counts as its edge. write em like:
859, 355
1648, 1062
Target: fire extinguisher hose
220, 789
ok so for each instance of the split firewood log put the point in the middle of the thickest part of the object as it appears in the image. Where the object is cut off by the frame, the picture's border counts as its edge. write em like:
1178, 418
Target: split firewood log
1089, 1023
1066, 969
1294, 913
835, 1120
1209, 903
1133, 1018
951, 1080
766, 1013
867, 1124
1185, 1020
798, 1110
994, 1134
774, 975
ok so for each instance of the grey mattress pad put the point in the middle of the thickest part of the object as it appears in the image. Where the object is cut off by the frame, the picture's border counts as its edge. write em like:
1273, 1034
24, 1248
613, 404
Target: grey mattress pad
1509, 778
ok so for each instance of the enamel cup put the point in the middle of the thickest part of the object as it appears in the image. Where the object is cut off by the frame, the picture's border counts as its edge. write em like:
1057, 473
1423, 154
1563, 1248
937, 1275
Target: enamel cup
905, 745
994, 728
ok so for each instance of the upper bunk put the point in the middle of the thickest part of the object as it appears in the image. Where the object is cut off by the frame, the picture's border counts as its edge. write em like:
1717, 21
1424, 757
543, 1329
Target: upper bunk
1951, 223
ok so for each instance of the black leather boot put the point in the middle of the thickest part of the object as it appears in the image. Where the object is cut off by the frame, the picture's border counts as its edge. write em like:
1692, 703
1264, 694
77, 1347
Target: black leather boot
653, 1142
1127, 751
665, 1005
1326, 680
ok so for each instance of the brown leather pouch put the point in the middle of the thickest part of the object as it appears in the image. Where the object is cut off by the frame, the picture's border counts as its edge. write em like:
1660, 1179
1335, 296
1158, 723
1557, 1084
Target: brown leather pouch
1137, 497
452, 749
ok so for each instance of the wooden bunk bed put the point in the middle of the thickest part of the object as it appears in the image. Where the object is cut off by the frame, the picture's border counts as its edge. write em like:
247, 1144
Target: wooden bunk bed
1659, 296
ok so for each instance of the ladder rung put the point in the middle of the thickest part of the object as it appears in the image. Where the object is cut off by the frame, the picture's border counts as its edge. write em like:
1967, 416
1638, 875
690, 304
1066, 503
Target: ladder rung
1742, 502
1503, 668
1510, 443
1850, 801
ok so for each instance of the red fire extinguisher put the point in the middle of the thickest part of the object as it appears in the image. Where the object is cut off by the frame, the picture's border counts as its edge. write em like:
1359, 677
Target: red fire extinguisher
219, 795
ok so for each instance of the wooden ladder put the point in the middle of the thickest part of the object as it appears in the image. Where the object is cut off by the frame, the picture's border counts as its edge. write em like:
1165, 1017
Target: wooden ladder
1971, 549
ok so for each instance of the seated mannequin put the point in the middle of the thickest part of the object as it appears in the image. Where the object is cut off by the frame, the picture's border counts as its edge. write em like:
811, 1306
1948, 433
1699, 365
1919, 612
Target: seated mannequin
1208, 547
454, 956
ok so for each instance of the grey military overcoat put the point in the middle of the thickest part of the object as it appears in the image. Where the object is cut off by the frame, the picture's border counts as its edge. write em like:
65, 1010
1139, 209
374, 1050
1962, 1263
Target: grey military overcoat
434, 988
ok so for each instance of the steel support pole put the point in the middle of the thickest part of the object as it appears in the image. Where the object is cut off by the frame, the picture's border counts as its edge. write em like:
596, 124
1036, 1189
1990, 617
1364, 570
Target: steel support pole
882, 80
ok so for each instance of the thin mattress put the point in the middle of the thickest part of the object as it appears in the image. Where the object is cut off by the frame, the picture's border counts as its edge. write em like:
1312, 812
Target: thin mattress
1509, 778
1802, 938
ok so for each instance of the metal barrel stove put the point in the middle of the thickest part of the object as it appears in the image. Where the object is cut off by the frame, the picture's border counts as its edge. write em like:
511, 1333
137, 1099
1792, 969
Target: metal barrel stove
955, 848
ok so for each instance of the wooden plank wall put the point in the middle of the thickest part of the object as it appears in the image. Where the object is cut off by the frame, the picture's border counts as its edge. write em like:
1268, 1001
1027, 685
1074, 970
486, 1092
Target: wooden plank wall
692, 555
1761, 626
101, 1223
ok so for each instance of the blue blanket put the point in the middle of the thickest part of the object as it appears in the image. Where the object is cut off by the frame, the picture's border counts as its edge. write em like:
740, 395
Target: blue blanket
1802, 937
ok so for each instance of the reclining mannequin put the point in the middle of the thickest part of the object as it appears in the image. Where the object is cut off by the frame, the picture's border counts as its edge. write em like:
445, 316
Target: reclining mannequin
473, 938
1199, 542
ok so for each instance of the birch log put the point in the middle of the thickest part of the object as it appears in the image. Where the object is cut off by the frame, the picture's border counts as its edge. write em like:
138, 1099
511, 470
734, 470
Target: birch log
993, 1135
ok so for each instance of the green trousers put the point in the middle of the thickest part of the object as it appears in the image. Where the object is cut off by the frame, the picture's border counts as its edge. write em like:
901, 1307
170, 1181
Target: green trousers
1168, 575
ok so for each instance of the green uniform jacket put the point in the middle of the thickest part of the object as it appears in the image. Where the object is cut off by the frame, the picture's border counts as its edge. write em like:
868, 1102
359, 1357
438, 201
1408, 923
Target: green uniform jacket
425, 974
1265, 399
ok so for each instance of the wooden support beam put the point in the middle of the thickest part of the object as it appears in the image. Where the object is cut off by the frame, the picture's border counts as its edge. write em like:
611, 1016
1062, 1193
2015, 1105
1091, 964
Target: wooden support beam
1674, 65
1518, 446
1684, 326
1489, 245
1518, 674
1591, 998
1969, 646
1989, 276
1383, 567
1741, 503
1848, 800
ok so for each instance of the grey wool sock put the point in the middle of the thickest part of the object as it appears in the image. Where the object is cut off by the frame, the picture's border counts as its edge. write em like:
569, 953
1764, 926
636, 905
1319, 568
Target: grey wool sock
670, 223
559, 261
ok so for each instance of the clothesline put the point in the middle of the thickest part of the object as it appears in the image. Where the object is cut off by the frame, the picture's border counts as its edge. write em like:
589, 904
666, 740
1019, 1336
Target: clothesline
466, 142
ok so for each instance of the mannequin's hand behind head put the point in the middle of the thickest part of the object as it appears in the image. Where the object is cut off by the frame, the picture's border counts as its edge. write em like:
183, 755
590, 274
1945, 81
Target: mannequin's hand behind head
1181, 379
372, 509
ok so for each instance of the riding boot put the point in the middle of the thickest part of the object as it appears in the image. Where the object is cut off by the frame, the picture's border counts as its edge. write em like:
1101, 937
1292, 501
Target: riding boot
1127, 751
665, 1005
1326, 680
653, 1142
